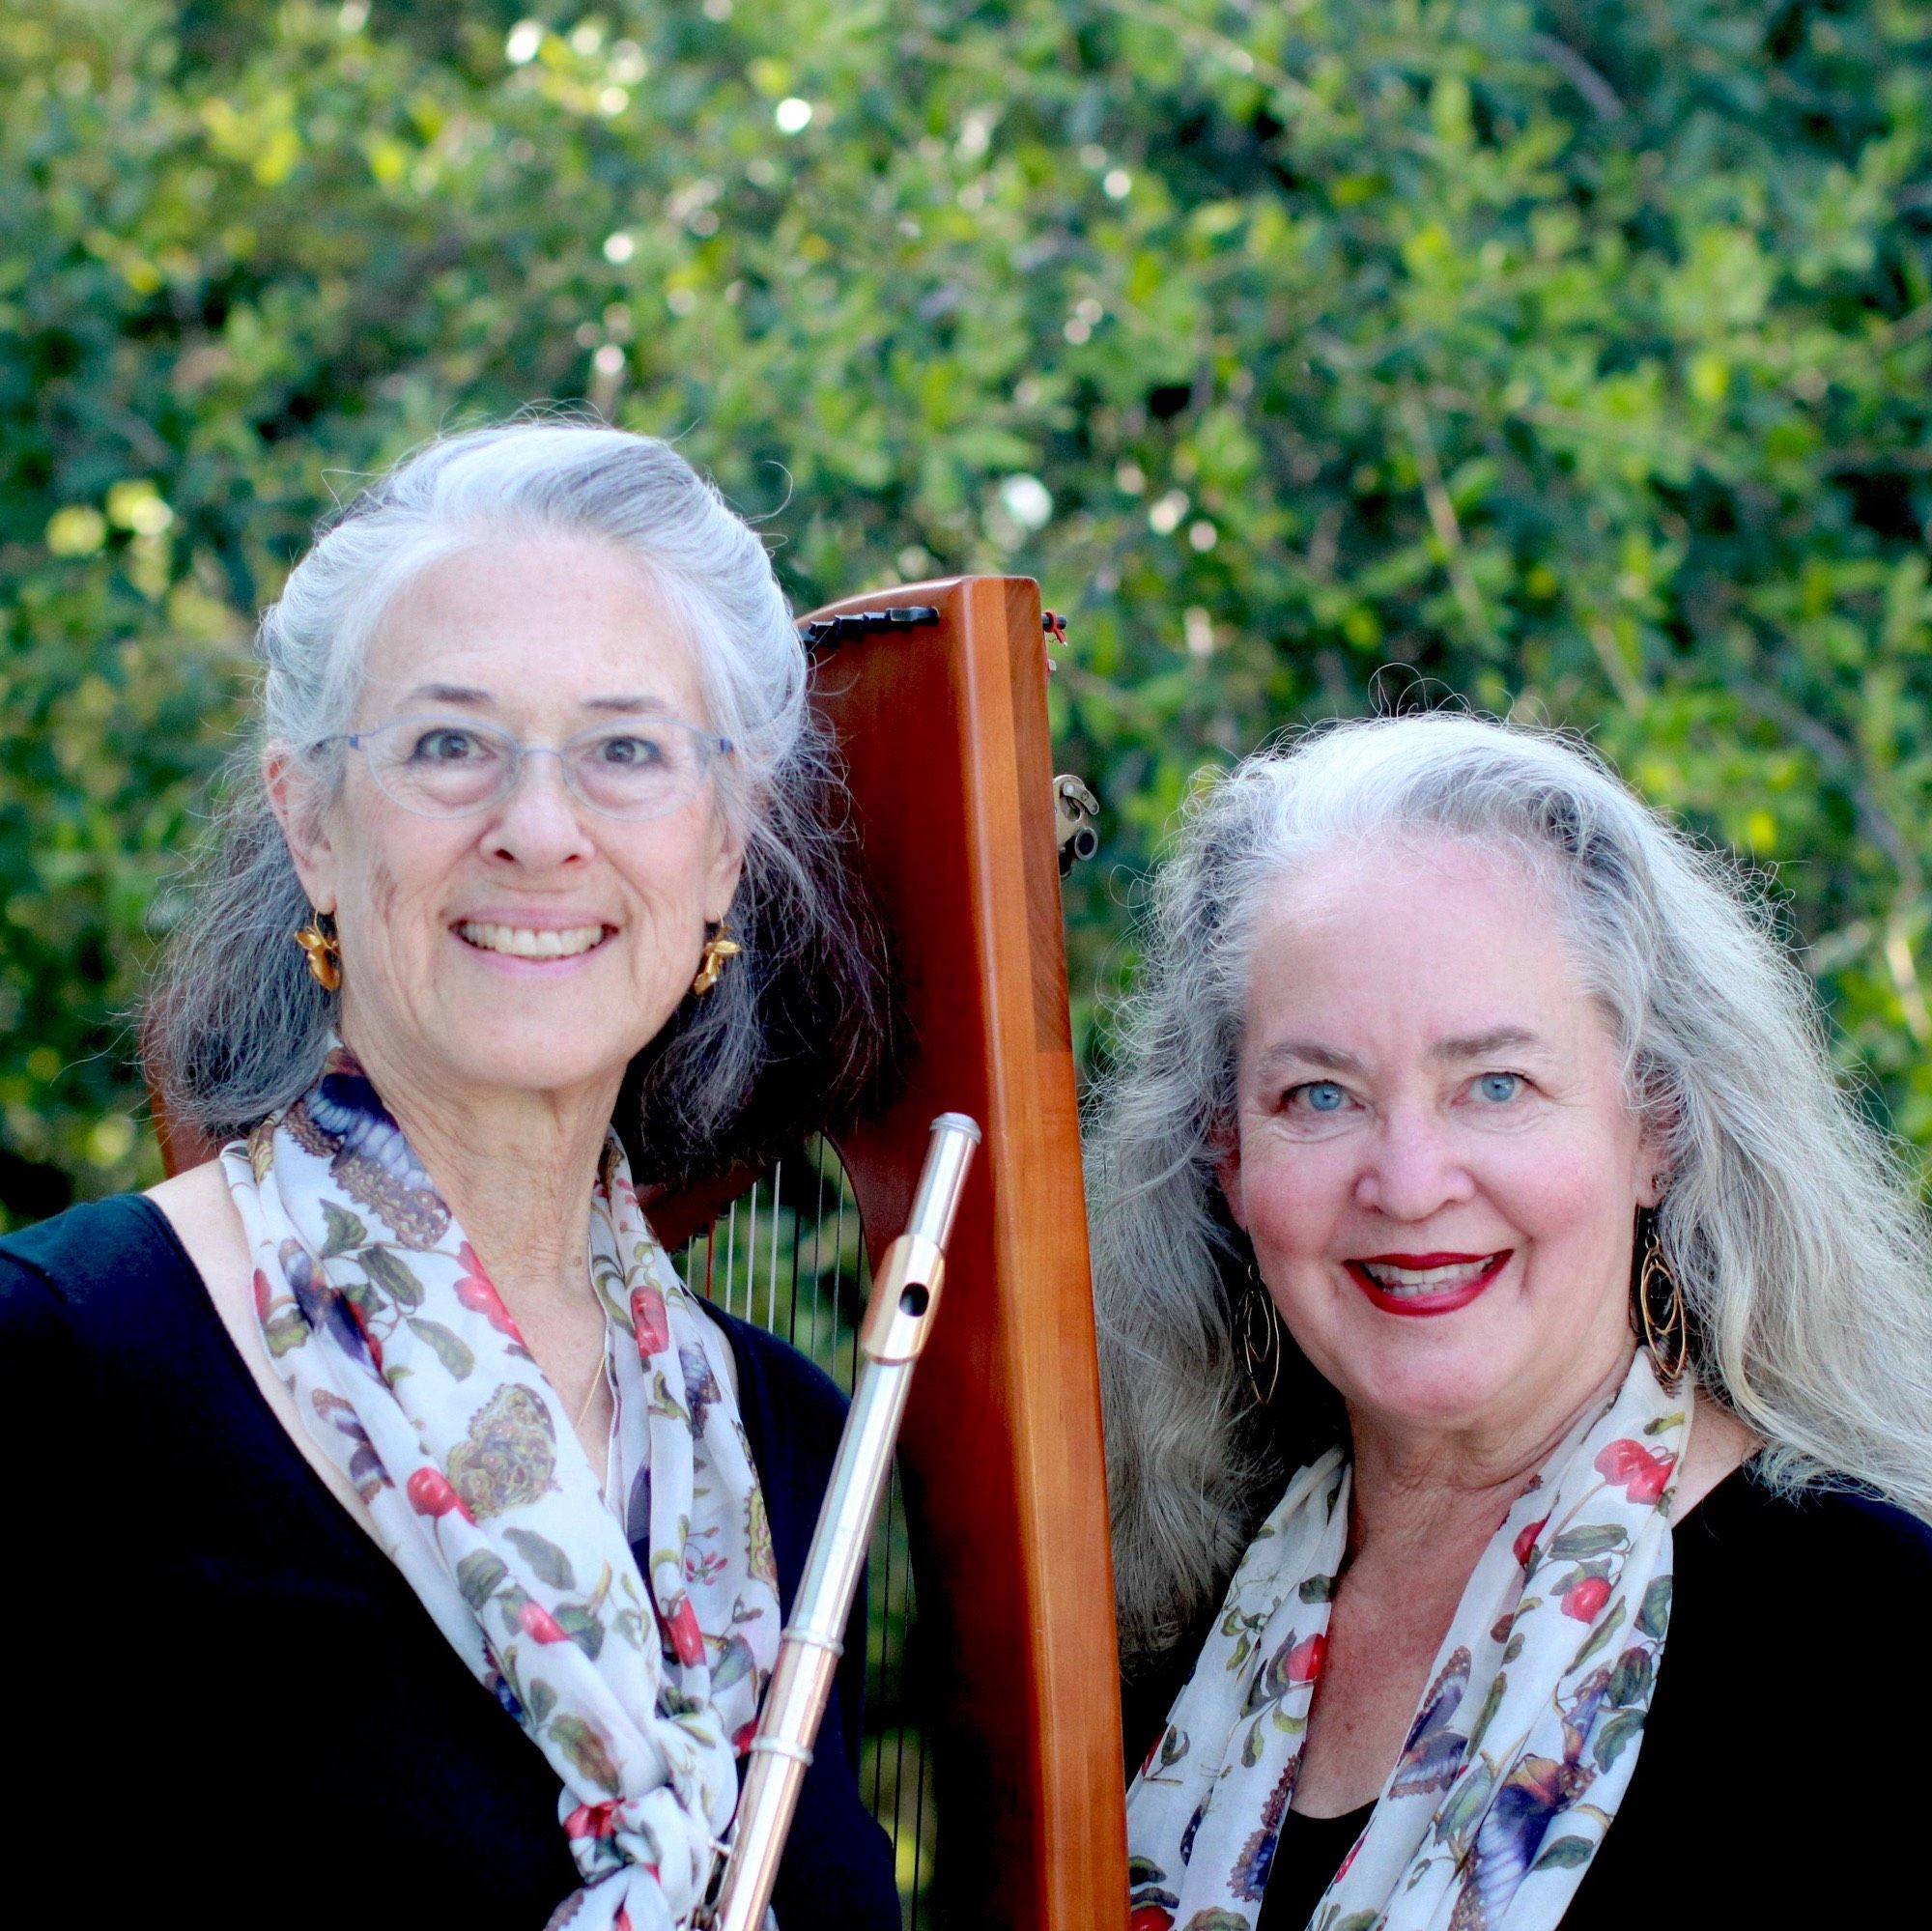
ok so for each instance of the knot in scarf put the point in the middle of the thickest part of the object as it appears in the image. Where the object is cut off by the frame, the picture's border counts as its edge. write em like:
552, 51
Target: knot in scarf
636, 1670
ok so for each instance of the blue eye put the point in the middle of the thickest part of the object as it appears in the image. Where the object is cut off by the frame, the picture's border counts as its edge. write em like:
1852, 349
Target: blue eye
1323, 1097
1499, 1087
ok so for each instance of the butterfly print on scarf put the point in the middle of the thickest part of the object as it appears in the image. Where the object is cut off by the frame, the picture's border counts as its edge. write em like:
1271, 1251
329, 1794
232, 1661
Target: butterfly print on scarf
1434, 1753
344, 1122
509, 1457
1535, 1792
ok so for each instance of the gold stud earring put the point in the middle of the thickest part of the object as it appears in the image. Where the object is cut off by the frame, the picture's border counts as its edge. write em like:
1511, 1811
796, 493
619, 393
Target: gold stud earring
711, 961
324, 955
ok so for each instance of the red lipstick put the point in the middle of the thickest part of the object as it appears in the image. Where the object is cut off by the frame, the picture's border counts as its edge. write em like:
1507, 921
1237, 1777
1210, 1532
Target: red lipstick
1447, 1301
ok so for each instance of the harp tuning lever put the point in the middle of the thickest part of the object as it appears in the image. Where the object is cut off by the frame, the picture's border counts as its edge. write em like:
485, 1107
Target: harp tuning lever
1074, 810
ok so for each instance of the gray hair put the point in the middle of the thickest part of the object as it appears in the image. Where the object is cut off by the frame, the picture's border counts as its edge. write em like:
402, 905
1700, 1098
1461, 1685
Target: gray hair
1791, 1225
236, 1027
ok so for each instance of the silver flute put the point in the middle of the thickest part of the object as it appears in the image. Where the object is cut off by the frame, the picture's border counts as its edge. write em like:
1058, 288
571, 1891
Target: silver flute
905, 1296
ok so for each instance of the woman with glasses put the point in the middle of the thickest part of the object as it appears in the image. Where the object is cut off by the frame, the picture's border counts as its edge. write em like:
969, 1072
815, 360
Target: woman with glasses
421, 1545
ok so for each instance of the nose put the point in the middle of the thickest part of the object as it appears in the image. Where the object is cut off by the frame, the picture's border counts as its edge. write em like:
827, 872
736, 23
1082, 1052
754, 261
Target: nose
539, 825
1412, 1169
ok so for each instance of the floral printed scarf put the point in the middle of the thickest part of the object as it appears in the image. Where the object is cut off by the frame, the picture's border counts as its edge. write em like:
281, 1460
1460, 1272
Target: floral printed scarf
638, 1688
1526, 1736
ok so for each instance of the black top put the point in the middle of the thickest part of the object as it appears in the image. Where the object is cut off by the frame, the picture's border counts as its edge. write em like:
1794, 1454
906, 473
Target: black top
1778, 1782
224, 1697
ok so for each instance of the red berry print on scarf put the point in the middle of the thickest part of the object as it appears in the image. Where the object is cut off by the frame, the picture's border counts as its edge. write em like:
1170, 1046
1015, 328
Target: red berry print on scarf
1525, 1542
1150, 1917
478, 1294
649, 1321
1639, 1473
430, 1495
1583, 1599
540, 1625
592, 1820
686, 1637
1304, 1660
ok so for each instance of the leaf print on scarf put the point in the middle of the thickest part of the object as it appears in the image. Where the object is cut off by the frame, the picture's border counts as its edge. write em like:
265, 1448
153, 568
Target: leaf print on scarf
510, 1456
586, 1750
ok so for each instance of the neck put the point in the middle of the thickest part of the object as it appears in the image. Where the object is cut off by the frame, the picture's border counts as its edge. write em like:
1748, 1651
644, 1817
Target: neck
1420, 1487
515, 1168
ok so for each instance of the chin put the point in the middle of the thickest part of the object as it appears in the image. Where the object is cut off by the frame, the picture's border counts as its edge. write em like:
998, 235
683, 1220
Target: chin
537, 1059
1447, 1394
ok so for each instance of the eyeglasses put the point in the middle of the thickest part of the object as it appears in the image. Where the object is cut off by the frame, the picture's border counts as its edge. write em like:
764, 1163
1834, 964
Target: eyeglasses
453, 768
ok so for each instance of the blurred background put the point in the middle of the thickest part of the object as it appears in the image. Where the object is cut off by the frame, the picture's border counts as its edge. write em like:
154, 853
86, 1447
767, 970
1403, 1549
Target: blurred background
1572, 360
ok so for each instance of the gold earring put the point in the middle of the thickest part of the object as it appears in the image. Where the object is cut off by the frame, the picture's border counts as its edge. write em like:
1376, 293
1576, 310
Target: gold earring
1668, 1340
1258, 1310
711, 961
324, 955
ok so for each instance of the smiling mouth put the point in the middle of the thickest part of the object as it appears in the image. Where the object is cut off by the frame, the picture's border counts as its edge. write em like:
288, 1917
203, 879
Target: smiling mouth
1426, 1283
524, 941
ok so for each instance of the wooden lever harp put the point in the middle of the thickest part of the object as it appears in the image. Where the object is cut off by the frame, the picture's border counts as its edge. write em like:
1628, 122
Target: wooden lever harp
905, 1296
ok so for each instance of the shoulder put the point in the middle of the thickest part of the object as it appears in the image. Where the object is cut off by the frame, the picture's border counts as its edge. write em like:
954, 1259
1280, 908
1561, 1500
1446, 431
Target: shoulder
775, 1377
80, 1263
89, 1301
1834, 1526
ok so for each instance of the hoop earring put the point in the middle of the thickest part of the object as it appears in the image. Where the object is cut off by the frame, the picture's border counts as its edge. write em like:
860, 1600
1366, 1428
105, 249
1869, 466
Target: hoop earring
324, 954
1666, 1339
711, 961
1260, 1338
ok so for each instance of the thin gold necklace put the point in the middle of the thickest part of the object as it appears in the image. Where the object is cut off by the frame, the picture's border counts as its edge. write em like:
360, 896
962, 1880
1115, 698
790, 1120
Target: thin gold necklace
589, 1393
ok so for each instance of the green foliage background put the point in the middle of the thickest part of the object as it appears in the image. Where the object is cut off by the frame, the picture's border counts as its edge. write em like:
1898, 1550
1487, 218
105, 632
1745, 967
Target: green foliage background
1572, 357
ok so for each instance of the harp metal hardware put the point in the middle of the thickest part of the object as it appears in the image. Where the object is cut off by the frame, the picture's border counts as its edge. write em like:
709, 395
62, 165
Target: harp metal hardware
1054, 625
824, 634
1074, 810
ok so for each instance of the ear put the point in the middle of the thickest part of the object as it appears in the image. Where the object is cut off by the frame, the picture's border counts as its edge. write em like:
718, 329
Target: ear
1653, 1169
299, 813
1653, 1154
1228, 1171
727, 867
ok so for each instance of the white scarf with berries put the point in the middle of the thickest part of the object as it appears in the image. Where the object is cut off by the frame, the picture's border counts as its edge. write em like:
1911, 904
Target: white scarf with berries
639, 1686
1527, 1733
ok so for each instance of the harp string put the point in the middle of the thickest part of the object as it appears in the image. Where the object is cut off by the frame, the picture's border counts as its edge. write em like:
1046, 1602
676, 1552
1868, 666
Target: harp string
789, 1255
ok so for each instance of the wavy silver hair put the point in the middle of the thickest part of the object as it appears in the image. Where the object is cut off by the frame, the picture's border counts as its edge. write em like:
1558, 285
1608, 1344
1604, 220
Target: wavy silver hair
1791, 1225
236, 1027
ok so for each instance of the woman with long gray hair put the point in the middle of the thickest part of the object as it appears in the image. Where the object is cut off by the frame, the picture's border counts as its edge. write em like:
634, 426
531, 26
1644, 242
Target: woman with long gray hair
1518, 1360
421, 1545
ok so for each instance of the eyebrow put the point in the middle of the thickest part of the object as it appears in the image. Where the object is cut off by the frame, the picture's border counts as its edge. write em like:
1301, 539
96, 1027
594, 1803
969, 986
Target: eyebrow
466, 694
1310, 1053
1336, 1059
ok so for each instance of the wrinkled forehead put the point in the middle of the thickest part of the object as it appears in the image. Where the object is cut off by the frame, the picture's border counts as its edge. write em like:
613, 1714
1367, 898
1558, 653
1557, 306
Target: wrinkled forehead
535, 631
